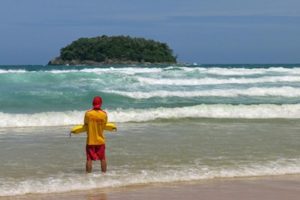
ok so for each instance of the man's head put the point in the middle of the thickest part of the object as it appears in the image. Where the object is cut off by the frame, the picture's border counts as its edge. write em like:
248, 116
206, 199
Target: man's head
97, 102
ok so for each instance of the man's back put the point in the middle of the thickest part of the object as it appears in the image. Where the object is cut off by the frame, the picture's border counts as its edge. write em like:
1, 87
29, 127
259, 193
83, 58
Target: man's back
95, 121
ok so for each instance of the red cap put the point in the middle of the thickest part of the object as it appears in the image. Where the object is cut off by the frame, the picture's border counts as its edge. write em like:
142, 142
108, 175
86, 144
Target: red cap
97, 102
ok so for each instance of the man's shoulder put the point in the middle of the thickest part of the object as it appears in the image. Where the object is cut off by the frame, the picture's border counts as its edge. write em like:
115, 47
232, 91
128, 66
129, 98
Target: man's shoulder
95, 112
88, 111
103, 111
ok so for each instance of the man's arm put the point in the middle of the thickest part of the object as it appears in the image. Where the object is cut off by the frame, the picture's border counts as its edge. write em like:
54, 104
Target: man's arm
85, 121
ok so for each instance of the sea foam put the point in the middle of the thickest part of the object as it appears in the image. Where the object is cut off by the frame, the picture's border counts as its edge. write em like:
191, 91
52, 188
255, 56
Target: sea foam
117, 178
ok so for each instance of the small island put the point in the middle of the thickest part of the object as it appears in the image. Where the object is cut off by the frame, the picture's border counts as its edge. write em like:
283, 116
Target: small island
114, 50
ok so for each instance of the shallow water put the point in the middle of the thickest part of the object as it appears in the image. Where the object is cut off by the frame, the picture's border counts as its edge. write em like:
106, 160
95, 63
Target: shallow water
46, 159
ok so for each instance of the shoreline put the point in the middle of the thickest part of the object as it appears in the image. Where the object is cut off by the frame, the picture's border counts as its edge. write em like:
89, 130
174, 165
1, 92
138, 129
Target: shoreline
246, 188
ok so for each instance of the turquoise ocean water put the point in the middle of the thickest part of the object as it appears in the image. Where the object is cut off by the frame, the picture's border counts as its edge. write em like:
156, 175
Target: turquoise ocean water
176, 123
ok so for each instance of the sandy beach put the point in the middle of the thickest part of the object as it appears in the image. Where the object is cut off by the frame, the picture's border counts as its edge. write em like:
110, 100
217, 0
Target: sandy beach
260, 188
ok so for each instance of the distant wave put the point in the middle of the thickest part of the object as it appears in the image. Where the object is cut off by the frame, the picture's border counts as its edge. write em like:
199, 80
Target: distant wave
136, 70
216, 81
127, 70
254, 91
3, 71
244, 71
262, 111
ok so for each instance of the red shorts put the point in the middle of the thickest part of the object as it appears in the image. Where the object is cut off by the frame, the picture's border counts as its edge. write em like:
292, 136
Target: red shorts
95, 152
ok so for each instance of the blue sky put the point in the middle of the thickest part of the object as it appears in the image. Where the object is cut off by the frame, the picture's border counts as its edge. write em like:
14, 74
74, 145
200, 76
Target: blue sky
202, 31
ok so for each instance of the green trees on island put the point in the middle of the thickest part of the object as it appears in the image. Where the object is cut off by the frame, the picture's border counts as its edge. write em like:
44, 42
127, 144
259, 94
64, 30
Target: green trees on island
115, 49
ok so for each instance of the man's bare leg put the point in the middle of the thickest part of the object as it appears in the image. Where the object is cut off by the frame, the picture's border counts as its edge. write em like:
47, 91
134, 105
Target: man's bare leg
103, 165
89, 166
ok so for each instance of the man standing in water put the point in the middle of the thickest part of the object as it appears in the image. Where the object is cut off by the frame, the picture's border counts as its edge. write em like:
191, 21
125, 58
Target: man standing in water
95, 121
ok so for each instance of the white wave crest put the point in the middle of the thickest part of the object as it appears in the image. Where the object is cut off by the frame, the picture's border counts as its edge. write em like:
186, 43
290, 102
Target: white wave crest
229, 71
245, 71
255, 91
127, 70
214, 81
263, 111
41, 119
11, 71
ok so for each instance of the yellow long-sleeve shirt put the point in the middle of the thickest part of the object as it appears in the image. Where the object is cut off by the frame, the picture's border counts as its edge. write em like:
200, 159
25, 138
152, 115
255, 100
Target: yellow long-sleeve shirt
95, 121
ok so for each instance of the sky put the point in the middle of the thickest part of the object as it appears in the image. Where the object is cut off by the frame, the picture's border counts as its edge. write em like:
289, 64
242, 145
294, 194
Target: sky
201, 31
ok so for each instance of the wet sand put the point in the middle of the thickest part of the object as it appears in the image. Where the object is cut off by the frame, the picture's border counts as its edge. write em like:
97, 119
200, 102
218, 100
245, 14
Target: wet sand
260, 188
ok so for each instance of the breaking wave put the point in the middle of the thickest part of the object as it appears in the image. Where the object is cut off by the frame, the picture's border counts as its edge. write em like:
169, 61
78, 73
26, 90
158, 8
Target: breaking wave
262, 111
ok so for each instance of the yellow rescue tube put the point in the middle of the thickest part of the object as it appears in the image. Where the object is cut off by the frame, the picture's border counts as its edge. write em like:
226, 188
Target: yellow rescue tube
82, 128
